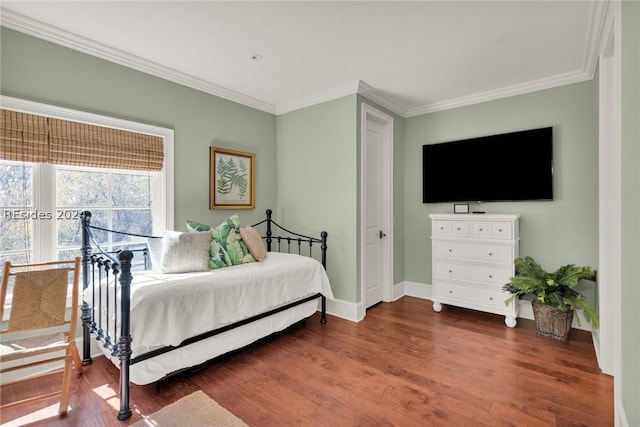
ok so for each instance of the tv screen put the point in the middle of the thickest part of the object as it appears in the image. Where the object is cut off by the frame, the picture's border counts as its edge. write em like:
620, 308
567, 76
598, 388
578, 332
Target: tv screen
506, 167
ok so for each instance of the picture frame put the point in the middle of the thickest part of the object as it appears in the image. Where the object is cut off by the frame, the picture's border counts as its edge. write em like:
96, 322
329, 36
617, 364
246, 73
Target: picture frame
460, 208
232, 179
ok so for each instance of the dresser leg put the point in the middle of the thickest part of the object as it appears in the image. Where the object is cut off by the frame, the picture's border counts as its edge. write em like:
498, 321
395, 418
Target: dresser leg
510, 321
437, 307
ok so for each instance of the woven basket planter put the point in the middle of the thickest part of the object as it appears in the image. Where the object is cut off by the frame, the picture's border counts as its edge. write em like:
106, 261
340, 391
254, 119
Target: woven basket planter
552, 322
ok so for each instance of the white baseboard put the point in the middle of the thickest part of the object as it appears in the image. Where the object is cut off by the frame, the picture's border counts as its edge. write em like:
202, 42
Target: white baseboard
346, 310
620, 415
398, 291
425, 291
31, 371
418, 290
41, 369
355, 312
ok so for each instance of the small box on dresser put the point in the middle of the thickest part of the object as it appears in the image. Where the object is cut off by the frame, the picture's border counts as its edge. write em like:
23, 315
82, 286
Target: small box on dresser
472, 258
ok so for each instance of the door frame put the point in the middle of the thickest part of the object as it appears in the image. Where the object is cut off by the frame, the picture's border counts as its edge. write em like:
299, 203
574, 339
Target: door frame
367, 113
606, 339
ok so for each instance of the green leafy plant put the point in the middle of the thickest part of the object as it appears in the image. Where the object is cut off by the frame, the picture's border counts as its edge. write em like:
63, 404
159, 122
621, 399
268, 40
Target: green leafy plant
555, 289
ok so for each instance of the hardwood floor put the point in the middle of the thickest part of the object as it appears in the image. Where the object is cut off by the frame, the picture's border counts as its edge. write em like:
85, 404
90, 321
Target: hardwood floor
404, 365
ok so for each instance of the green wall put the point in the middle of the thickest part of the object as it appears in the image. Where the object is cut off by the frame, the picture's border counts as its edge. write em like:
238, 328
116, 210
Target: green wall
317, 182
630, 289
40, 71
556, 232
317, 148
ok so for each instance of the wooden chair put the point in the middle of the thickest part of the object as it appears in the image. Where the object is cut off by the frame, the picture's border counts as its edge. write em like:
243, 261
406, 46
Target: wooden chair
37, 331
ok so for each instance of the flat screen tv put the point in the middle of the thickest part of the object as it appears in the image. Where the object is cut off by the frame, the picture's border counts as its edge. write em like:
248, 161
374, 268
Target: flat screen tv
512, 166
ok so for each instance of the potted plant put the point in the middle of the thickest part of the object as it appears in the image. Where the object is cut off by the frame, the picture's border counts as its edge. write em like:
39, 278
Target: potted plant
555, 299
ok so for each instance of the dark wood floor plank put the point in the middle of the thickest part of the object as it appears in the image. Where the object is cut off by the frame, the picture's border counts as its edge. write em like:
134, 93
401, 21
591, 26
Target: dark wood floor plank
403, 365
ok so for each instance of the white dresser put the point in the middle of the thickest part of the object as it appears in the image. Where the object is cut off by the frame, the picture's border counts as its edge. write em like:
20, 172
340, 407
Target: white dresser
472, 258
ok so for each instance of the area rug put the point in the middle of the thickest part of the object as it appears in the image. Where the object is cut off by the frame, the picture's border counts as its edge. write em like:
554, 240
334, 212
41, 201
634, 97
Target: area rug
196, 409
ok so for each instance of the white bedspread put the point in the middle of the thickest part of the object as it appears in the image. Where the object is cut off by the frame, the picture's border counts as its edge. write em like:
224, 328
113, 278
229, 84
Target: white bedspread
168, 308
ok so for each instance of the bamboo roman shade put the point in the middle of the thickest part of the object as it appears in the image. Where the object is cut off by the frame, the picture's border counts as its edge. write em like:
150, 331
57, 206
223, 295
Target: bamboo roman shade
23, 137
31, 138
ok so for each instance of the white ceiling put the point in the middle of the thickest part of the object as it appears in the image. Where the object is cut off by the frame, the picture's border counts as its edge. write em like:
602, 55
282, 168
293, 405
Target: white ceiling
412, 57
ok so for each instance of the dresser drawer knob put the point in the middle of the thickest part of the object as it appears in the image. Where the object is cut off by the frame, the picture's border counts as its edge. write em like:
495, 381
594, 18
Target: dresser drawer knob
490, 254
481, 229
491, 298
450, 250
450, 291
500, 230
490, 276
450, 271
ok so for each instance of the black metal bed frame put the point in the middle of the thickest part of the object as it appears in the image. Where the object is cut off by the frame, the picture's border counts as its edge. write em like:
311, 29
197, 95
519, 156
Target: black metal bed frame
115, 267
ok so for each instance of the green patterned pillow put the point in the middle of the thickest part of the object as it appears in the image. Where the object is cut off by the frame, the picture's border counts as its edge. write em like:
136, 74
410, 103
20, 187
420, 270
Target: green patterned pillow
227, 247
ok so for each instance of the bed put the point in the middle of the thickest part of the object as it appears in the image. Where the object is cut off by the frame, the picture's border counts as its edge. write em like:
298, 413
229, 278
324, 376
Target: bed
156, 322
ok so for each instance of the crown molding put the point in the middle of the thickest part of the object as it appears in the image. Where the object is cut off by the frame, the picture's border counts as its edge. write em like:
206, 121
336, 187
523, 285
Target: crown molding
373, 95
64, 38
354, 87
506, 92
41, 30
326, 95
598, 12
597, 20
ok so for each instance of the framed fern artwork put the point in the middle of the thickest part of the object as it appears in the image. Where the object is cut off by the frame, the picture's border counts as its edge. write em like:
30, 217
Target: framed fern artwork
232, 179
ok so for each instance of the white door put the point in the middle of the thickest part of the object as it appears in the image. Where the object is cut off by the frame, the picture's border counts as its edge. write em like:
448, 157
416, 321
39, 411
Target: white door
376, 207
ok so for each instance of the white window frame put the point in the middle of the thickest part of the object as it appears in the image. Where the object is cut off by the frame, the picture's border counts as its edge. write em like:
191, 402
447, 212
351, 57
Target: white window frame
163, 212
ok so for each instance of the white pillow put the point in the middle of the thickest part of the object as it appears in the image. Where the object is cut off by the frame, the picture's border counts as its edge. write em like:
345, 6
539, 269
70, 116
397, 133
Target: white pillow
154, 245
185, 252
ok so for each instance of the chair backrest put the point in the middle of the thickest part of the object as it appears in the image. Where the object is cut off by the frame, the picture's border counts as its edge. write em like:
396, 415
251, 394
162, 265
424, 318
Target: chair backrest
39, 294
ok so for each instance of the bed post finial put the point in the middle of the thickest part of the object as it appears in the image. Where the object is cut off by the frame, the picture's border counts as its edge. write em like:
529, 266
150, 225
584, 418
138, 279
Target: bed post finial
124, 342
85, 251
269, 212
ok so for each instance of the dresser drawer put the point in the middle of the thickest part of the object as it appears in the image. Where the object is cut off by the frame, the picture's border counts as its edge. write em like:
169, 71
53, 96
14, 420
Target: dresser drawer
473, 297
492, 230
490, 275
451, 228
498, 254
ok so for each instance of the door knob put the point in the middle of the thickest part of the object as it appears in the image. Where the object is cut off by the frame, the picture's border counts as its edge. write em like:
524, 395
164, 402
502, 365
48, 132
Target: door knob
382, 234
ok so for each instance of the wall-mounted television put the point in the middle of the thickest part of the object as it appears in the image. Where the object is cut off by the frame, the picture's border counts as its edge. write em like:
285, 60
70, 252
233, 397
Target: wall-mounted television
512, 166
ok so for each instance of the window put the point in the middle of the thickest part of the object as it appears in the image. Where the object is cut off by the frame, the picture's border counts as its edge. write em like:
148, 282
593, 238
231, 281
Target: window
117, 200
40, 202
16, 199
120, 200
